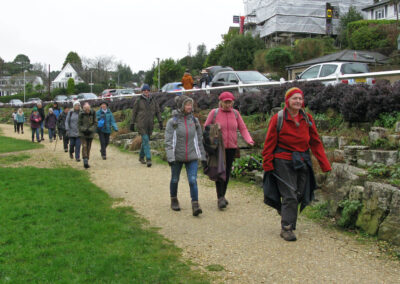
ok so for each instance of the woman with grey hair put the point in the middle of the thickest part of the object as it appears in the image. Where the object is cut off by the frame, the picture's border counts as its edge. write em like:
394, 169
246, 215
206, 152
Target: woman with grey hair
71, 127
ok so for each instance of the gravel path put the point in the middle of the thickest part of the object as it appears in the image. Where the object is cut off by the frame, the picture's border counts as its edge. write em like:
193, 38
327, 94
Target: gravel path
244, 239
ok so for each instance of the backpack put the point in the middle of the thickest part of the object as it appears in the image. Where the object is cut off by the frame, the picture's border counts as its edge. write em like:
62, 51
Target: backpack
216, 112
280, 120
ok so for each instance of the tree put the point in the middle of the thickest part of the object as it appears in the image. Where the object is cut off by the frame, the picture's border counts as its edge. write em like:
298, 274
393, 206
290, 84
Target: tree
123, 74
70, 86
22, 62
39, 88
308, 48
200, 57
73, 58
138, 77
278, 58
29, 88
351, 16
239, 52
2, 64
170, 71
214, 57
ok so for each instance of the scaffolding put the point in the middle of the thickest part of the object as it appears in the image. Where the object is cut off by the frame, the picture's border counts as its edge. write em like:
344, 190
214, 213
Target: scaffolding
277, 19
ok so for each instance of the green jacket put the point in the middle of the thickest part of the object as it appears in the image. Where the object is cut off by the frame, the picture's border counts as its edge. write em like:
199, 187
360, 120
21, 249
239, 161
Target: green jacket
143, 112
87, 124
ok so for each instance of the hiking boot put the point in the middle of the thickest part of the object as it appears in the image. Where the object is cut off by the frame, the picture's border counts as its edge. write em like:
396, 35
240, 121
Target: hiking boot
104, 157
142, 161
287, 234
71, 155
65, 150
86, 163
148, 163
175, 204
196, 208
78, 160
226, 201
221, 203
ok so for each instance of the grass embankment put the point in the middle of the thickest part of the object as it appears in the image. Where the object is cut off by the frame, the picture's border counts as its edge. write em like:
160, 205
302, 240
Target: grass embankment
58, 227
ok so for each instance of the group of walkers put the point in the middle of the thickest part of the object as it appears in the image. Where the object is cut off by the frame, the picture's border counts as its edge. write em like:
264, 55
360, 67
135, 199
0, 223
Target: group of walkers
288, 174
289, 181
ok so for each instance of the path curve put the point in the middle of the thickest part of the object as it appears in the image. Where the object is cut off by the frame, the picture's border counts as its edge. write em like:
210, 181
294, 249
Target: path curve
244, 239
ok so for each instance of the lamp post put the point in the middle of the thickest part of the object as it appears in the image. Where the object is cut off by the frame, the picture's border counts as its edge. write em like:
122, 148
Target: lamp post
24, 85
91, 81
158, 63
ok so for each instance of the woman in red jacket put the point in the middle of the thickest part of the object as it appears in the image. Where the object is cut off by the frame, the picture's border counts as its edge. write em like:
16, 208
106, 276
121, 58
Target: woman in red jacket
289, 177
229, 121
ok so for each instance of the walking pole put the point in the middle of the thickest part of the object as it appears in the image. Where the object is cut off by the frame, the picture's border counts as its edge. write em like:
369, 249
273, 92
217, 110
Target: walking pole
276, 176
55, 145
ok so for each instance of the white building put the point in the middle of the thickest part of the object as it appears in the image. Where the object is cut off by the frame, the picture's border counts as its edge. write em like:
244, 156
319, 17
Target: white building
69, 71
382, 9
279, 20
11, 85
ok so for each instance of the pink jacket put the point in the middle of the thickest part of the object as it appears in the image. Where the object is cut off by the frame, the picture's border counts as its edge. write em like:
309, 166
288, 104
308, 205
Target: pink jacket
229, 125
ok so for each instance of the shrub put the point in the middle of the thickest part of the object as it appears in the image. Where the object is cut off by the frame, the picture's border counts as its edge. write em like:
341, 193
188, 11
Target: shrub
351, 208
246, 164
277, 58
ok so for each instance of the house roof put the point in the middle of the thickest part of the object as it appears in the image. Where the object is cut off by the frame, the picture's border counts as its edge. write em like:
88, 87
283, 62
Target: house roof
75, 67
380, 3
345, 55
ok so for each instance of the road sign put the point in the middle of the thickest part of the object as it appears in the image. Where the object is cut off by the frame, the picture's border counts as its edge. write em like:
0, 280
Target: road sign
236, 19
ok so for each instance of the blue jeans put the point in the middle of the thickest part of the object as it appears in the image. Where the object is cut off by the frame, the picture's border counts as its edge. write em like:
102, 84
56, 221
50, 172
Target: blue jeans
52, 133
191, 171
35, 130
145, 148
75, 146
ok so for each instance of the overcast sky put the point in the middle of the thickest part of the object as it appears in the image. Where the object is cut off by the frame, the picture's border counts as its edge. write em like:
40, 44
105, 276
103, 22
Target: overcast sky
133, 31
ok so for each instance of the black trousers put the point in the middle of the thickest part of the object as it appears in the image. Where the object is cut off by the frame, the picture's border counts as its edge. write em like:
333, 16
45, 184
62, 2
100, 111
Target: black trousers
20, 125
290, 198
64, 137
223, 185
15, 126
104, 140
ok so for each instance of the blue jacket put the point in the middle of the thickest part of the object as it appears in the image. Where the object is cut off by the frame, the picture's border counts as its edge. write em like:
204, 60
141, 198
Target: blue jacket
57, 111
20, 118
109, 121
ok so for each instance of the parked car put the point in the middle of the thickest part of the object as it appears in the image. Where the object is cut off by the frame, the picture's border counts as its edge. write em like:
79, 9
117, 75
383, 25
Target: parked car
108, 94
86, 96
123, 92
214, 70
72, 98
34, 101
16, 103
333, 69
1, 104
228, 78
169, 87
60, 98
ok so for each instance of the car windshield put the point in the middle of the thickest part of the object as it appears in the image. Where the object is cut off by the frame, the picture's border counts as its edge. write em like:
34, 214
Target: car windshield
252, 76
354, 68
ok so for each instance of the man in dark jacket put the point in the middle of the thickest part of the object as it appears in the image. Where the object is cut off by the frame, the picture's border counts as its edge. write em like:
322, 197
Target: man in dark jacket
61, 127
42, 116
87, 125
143, 112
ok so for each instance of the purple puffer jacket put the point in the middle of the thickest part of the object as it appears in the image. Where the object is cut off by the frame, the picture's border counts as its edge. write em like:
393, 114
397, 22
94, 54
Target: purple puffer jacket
35, 120
50, 121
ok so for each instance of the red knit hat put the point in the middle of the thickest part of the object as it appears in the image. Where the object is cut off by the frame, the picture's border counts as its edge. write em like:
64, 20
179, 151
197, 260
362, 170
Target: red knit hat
290, 93
226, 96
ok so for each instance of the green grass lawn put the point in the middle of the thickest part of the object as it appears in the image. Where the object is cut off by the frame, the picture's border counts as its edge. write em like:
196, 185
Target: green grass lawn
8, 144
6, 160
58, 227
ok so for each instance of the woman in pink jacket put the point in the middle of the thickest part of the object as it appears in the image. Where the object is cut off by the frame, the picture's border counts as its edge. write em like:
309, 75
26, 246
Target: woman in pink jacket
229, 121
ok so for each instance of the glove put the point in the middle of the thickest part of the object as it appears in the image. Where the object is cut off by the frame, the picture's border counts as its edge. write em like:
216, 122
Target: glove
171, 163
160, 125
204, 164
132, 127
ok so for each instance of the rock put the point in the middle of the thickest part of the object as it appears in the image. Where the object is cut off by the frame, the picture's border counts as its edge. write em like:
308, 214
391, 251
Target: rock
356, 193
259, 176
136, 143
343, 141
377, 133
338, 156
376, 203
157, 144
338, 185
350, 153
259, 136
330, 141
390, 227
394, 139
397, 127
126, 143
241, 142
158, 136
130, 135
370, 157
